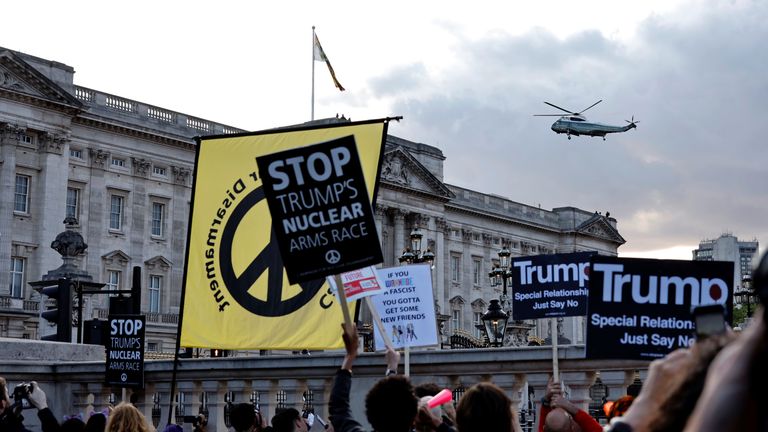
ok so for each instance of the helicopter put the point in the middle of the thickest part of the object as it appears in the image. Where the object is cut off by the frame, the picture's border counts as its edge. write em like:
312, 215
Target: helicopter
574, 123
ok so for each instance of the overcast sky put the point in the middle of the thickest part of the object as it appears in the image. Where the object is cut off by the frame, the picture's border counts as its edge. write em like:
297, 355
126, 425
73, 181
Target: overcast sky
467, 77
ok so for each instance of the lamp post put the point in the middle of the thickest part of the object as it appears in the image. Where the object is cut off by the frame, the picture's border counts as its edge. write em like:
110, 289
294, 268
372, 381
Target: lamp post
746, 294
495, 322
413, 254
500, 274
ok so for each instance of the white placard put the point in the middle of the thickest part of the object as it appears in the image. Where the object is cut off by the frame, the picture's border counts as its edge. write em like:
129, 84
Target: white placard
406, 307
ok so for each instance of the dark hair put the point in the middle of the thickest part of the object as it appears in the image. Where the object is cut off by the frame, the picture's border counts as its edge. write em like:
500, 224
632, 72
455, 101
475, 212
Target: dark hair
426, 389
284, 419
72, 425
242, 416
679, 405
391, 405
485, 407
96, 423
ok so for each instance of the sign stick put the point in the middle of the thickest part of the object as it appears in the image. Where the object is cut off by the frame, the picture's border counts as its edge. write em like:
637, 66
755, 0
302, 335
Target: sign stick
407, 361
343, 301
555, 337
377, 320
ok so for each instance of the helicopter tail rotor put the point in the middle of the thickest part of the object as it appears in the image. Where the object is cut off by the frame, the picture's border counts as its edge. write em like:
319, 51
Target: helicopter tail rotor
632, 123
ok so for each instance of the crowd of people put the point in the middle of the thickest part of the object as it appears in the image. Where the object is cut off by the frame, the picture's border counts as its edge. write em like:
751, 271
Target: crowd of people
716, 385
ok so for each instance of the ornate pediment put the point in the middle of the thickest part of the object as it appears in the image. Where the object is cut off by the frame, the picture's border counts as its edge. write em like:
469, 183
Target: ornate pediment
20, 77
116, 258
598, 226
158, 263
401, 169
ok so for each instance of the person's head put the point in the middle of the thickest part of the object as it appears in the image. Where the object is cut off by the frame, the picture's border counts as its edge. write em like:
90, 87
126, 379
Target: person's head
5, 400
289, 420
97, 422
391, 405
559, 420
620, 406
426, 389
74, 424
243, 417
126, 418
679, 405
485, 407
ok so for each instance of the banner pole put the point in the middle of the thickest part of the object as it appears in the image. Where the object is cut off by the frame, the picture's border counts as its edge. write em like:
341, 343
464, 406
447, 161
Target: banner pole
313, 74
343, 301
377, 321
555, 364
407, 361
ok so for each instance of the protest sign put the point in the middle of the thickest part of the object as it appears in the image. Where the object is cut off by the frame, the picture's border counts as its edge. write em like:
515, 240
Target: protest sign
359, 283
321, 215
236, 294
641, 308
125, 351
406, 307
546, 286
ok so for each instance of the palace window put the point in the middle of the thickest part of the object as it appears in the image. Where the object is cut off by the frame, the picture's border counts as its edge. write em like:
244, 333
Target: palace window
21, 195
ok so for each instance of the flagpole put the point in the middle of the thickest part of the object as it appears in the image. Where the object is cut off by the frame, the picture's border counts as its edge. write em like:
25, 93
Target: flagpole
313, 73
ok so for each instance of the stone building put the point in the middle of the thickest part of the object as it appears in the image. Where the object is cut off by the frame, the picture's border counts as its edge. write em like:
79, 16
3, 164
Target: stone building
728, 247
123, 169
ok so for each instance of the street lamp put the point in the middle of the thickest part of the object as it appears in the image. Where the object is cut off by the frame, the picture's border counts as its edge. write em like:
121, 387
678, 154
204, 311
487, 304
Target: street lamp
501, 273
495, 321
745, 294
413, 254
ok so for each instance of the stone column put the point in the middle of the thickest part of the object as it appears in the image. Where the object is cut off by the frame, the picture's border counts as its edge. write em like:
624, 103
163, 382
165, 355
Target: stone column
442, 259
399, 218
8, 141
579, 383
51, 189
617, 382
381, 223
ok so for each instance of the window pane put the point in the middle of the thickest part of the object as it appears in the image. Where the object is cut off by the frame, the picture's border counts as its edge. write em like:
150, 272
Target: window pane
113, 280
157, 219
17, 277
21, 196
116, 213
72, 201
155, 284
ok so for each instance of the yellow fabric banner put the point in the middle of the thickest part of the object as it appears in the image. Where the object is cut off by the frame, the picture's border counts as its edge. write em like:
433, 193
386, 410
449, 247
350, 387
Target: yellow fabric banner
236, 294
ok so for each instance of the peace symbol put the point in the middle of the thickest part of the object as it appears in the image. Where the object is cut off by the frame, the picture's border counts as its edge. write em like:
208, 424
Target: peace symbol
332, 256
269, 260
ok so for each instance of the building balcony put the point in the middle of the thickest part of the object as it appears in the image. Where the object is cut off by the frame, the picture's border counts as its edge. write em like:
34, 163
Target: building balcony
17, 306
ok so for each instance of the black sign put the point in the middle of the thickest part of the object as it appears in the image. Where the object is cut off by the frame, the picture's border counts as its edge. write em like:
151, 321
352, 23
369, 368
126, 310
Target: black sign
641, 308
550, 285
321, 214
125, 351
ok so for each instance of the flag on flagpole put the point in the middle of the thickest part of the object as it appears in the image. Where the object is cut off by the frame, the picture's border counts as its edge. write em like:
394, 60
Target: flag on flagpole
320, 56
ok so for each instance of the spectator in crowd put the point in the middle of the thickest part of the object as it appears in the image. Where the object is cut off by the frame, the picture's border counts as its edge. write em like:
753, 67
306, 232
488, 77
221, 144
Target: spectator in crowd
673, 386
485, 407
390, 405
127, 418
446, 412
11, 419
73, 424
245, 418
618, 407
734, 396
289, 420
97, 422
558, 414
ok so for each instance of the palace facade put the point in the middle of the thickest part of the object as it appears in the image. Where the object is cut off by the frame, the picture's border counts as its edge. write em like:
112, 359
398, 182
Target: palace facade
123, 169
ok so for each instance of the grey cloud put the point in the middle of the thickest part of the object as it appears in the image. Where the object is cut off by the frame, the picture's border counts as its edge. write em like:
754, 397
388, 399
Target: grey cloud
696, 164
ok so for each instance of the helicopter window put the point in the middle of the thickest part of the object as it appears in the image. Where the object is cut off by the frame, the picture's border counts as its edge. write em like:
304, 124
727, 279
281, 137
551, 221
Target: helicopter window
576, 119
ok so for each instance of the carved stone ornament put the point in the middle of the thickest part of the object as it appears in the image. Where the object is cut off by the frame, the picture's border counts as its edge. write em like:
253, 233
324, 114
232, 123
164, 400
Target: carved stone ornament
98, 157
51, 143
394, 171
180, 174
140, 166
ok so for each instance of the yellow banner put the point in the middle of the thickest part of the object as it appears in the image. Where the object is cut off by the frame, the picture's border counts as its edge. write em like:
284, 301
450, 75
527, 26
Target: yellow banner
236, 294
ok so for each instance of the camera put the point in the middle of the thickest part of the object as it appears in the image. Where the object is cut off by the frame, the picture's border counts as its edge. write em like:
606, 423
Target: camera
21, 395
710, 320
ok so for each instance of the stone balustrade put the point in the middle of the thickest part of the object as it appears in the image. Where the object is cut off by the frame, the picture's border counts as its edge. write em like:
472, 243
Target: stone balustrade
522, 372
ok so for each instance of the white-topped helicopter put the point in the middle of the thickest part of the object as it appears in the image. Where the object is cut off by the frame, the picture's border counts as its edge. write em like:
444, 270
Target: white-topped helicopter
574, 123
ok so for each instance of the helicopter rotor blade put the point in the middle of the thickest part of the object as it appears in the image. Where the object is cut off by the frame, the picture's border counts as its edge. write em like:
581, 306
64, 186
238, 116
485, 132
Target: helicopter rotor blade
548, 115
590, 106
561, 109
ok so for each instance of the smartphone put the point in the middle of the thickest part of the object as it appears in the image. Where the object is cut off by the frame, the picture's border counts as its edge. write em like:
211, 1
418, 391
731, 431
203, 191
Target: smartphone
710, 320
